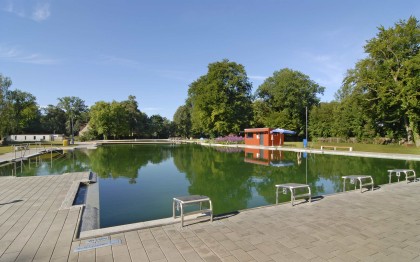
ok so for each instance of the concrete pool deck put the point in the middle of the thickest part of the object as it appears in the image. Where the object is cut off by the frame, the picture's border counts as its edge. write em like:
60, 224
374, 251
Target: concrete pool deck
38, 224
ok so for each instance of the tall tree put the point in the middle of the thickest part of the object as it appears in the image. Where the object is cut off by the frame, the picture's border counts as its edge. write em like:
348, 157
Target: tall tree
160, 127
322, 120
182, 120
53, 120
285, 95
5, 83
136, 119
109, 119
74, 107
101, 119
261, 117
221, 100
389, 78
120, 122
24, 114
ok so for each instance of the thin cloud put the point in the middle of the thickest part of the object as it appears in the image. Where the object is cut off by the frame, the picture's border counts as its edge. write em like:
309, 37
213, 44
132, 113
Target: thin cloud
176, 75
10, 7
41, 12
134, 64
114, 60
25, 9
330, 68
13, 54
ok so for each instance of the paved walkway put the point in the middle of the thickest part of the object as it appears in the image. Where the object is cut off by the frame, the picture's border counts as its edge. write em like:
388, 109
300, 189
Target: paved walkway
37, 223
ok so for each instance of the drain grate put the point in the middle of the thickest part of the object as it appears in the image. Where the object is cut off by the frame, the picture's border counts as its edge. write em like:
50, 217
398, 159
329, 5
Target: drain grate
97, 243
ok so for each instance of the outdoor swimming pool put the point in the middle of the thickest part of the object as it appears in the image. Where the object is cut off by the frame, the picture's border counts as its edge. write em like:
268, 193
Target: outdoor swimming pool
137, 182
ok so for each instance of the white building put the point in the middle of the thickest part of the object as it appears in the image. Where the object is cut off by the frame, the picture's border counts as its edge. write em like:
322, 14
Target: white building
35, 138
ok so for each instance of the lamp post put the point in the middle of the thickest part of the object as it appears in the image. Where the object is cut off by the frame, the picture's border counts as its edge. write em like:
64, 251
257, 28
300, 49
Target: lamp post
72, 134
306, 127
306, 109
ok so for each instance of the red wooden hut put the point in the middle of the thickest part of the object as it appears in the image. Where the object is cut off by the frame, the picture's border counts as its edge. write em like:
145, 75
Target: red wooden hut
263, 137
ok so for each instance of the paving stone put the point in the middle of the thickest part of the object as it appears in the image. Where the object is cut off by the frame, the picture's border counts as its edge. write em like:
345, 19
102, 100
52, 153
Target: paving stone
191, 256
241, 255
109, 258
259, 256
138, 255
7, 257
220, 250
85, 256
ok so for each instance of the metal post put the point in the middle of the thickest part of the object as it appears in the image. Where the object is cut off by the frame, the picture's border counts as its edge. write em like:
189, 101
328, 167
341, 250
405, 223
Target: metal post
292, 195
72, 135
173, 208
211, 210
306, 113
344, 184
306, 169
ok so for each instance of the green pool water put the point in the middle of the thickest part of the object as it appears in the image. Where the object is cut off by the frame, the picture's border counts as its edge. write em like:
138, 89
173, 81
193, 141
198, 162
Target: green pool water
137, 182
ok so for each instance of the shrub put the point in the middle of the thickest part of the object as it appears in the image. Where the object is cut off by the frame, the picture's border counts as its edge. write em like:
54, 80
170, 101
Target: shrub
230, 140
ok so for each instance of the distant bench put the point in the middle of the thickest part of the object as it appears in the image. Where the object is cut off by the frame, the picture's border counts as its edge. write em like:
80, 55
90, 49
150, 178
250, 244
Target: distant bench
337, 147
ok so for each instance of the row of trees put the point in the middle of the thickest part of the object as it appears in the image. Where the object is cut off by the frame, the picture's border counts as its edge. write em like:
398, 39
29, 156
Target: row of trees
221, 102
20, 113
124, 119
379, 97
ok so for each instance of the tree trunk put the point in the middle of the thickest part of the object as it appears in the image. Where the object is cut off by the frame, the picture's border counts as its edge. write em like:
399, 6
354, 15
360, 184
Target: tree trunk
409, 130
415, 133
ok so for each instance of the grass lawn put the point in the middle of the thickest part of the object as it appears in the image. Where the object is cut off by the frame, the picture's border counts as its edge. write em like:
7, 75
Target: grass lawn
5, 149
363, 147
9, 148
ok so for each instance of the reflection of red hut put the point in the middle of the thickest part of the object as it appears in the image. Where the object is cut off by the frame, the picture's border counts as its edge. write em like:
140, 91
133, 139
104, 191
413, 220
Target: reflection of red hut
262, 137
262, 157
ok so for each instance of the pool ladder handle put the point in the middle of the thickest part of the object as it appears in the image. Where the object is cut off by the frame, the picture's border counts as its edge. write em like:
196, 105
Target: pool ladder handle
200, 201
406, 173
361, 184
293, 196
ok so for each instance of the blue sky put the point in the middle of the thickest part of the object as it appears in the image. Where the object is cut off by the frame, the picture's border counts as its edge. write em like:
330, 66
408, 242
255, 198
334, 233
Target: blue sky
108, 50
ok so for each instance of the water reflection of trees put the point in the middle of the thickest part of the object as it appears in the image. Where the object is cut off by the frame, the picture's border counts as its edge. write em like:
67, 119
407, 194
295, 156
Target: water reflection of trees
126, 161
56, 163
216, 175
